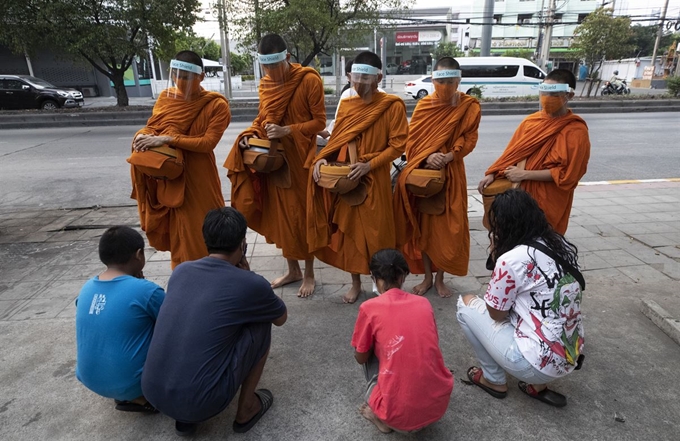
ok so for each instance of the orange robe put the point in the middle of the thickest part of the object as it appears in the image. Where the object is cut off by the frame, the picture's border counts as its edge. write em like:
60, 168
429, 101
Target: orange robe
172, 212
347, 236
438, 127
279, 213
559, 144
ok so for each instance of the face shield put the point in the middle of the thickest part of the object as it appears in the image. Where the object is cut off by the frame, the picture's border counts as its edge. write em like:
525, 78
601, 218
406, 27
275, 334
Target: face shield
364, 80
553, 96
273, 68
184, 82
445, 84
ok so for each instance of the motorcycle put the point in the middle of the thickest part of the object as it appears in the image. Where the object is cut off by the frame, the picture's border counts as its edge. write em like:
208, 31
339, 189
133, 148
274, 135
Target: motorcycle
609, 89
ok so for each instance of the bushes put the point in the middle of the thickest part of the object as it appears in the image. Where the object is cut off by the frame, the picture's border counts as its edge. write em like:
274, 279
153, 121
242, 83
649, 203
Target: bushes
673, 85
328, 91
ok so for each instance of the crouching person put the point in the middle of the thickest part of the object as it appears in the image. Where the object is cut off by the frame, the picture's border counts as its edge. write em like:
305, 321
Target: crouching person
115, 317
213, 333
529, 323
396, 341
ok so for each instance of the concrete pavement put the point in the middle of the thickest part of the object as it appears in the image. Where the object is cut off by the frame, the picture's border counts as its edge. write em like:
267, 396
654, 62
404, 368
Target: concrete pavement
629, 241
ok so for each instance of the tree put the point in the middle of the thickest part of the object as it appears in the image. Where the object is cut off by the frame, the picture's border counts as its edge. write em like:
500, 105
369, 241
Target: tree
310, 27
447, 49
644, 37
188, 41
601, 37
109, 34
241, 63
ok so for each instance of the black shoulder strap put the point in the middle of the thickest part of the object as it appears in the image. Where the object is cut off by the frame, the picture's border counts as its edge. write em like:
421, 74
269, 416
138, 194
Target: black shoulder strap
561, 262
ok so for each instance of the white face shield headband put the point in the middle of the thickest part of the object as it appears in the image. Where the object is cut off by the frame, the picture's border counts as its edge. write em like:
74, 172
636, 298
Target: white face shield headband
184, 80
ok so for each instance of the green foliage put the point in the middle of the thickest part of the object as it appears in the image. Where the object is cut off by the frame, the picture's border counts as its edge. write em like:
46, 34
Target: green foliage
241, 63
248, 77
519, 53
328, 91
602, 37
673, 85
644, 37
447, 49
476, 91
109, 34
188, 41
310, 27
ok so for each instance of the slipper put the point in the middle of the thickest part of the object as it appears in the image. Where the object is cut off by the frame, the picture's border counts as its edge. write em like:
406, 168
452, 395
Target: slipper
267, 399
546, 395
185, 429
476, 380
129, 406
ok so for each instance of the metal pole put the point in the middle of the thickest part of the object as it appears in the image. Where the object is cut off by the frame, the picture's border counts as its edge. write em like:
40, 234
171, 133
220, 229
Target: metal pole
29, 64
539, 41
487, 27
383, 59
547, 35
658, 37
224, 41
375, 40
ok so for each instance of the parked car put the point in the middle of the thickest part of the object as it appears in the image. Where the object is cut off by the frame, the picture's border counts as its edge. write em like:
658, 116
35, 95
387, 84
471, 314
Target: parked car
27, 92
392, 68
495, 76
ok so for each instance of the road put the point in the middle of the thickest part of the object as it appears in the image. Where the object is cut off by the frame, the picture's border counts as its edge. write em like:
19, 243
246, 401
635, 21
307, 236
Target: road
81, 167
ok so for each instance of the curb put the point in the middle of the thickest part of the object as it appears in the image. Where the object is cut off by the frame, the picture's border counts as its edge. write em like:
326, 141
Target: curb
669, 325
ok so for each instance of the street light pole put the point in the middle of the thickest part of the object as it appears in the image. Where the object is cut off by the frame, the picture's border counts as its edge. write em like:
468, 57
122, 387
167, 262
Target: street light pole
658, 37
487, 27
224, 42
547, 35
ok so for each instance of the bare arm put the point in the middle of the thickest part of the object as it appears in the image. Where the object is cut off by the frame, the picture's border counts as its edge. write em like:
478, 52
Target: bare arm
281, 320
362, 357
497, 315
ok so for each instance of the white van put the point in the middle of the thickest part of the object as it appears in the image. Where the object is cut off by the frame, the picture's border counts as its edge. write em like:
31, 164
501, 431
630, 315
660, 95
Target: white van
496, 77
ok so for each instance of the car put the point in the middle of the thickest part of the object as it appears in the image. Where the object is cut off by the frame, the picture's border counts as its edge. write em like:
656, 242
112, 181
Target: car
419, 88
392, 69
27, 92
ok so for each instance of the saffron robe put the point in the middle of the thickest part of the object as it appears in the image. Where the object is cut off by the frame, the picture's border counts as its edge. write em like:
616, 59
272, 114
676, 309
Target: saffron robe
345, 236
438, 127
172, 212
279, 214
559, 144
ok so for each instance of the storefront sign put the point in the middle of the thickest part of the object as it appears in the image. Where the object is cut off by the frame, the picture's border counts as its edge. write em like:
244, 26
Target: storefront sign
417, 38
648, 73
519, 42
406, 37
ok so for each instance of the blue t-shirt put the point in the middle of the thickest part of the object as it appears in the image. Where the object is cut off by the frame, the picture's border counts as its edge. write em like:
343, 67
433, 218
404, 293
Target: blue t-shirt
114, 323
191, 358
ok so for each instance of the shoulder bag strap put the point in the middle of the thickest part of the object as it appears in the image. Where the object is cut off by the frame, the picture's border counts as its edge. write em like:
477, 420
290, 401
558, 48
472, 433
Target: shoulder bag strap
561, 262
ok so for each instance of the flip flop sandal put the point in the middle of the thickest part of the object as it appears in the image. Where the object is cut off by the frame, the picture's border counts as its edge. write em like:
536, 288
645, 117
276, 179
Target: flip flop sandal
546, 395
476, 380
129, 406
267, 399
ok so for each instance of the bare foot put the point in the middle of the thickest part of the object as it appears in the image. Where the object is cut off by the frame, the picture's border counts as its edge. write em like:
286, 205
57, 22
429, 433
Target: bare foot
307, 288
291, 277
422, 287
443, 290
352, 294
367, 413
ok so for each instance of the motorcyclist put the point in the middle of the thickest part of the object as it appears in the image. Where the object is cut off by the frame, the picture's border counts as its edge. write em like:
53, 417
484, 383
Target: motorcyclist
616, 82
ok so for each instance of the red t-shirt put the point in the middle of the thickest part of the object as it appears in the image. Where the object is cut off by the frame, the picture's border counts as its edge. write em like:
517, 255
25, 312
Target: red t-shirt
414, 385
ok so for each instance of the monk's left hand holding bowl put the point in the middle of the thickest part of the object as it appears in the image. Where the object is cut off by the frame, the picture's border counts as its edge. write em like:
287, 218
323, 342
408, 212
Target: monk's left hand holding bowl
316, 173
358, 170
274, 131
145, 142
436, 161
514, 174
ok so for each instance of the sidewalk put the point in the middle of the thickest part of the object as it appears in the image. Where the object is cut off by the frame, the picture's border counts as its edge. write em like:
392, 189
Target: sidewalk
629, 241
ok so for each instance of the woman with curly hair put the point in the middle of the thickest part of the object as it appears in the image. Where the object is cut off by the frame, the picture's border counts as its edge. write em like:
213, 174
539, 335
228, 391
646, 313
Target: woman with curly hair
529, 322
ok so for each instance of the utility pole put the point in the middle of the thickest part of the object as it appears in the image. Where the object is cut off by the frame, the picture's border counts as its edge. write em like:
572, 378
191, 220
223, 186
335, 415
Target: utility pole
539, 41
224, 42
547, 35
487, 28
658, 37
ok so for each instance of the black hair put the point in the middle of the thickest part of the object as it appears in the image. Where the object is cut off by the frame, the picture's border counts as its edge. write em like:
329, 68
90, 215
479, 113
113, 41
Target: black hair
118, 245
189, 57
563, 76
516, 218
348, 67
447, 63
389, 265
271, 44
223, 230
368, 57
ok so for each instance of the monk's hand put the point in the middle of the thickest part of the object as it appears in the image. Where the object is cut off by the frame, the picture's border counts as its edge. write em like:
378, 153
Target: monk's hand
324, 134
358, 170
488, 179
145, 142
316, 173
243, 143
436, 161
275, 132
514, 174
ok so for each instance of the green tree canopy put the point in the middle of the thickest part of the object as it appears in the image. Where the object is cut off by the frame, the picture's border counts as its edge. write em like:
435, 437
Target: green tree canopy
310, 27
644, 37
109, 34
188, 41
447, 49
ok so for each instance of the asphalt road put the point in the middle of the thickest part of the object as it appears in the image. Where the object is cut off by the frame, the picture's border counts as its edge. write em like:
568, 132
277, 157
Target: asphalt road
81, 167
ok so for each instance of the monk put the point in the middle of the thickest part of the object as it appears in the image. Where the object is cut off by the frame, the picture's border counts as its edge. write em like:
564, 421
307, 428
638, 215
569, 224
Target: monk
292, 110
346, 230
443, 130
192, 120
556, 146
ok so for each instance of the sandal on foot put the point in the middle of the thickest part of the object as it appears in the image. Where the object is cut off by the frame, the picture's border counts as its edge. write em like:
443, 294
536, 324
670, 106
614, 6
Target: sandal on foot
185, 429
546, 395
476, 378
129, 406
267, 399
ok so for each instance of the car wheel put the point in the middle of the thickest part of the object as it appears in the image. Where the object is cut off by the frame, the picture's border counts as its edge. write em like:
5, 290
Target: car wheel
421, 94
49, 105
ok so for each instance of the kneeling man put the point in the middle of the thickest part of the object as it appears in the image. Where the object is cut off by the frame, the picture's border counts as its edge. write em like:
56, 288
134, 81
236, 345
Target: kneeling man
213, 333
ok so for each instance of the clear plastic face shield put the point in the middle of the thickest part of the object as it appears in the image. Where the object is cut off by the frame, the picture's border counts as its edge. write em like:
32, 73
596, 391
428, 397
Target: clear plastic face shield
554, 97
446, 82
184, 81
273, 68
364, 80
